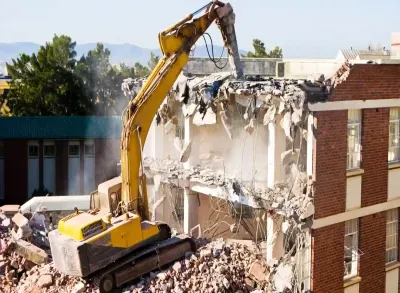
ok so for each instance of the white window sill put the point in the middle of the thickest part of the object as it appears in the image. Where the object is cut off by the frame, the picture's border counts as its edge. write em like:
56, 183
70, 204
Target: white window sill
354, 172
392, 266
350, 281
394, 165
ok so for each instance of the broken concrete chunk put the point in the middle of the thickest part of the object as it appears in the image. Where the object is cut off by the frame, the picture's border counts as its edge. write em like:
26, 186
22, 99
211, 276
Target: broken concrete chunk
309, 211
29, 251
45, 281
283, 277
258, 271
185, 152
289, 157
286, 123
226, 123
250, 127
270, 115
209, 118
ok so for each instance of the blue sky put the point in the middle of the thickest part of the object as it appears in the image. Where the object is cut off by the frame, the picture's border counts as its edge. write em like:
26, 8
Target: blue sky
307, 28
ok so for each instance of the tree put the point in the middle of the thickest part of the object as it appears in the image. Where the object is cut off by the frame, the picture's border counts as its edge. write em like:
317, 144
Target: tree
260, 51
126, 71
102, 83
45, 83
153, 61
141, 71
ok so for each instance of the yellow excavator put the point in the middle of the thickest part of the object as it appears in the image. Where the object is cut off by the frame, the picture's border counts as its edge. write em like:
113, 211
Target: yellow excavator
114, 242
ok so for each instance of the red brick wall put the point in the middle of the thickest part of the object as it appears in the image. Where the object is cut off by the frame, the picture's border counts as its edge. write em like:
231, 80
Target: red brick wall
365, 82
375, 144
327, 259
373, 245
330, 162
61, 167
369, 82
16, 171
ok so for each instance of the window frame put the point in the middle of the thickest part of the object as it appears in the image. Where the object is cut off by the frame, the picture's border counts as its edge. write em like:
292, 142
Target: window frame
392, 220
354, 155
89, 144
49, 144
350, 225
33, 145
74, 144
396, 122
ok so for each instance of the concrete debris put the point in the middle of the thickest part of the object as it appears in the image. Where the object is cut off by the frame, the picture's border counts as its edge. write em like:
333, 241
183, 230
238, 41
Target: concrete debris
185, 152
217, 266
283, 277
209, 117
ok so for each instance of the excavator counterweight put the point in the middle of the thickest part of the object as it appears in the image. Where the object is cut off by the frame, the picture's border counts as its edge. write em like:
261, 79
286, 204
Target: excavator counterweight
115, 242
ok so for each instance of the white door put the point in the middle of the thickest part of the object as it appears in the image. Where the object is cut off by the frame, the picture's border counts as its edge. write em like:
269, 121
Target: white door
49, 166
2, 174
74, 168
89, 167
33, 167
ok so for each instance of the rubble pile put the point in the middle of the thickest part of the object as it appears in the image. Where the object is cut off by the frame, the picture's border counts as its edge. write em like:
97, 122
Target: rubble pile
21, 275
216, 267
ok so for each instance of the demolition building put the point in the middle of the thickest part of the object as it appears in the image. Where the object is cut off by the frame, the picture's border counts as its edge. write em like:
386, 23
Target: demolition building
309, 167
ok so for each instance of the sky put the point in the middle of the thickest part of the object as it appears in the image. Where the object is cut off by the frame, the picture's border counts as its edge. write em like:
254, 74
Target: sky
308, 28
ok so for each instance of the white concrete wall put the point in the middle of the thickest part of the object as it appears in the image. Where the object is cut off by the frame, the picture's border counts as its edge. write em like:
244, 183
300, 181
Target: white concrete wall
394, 184
392, 281
244, 156
74, 168
353, 192
33, 169
302, 68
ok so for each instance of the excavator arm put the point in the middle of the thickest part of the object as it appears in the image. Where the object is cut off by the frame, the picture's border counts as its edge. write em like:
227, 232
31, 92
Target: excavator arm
176, 43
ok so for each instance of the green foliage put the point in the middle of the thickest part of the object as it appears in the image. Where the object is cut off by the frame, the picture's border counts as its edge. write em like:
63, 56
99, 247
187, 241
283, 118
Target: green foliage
141, 71
153, 61
53, 82
45, 84
261, 52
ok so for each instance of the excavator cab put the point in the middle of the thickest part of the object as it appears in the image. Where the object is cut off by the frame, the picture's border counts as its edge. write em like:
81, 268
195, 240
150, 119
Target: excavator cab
107, 197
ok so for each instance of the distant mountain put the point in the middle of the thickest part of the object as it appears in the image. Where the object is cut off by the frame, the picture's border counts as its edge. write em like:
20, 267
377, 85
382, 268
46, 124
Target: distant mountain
126, 53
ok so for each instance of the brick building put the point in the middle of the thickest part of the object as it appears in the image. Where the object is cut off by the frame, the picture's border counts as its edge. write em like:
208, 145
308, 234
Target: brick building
64, 155
357, 196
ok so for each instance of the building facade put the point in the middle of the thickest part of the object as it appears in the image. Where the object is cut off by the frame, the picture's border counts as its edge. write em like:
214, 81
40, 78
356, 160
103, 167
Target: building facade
56, 155
357, 195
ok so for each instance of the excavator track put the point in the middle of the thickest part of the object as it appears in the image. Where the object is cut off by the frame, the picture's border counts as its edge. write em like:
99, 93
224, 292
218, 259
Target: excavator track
139, 263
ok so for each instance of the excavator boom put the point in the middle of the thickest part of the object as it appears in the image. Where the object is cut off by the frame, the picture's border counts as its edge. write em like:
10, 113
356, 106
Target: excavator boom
176, 43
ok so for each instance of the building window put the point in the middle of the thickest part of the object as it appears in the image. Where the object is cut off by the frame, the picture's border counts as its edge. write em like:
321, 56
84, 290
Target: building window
351, 249
49, 150
354, 139
392, 226
33, 151
303, 262
89, 149
394, 131
73, 150
1, 149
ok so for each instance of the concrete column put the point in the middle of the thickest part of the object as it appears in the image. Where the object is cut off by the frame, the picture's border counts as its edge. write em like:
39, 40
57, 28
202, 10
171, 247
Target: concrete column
191, 202
191, 210
310, 144
275, 244
276, 146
